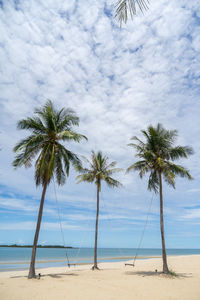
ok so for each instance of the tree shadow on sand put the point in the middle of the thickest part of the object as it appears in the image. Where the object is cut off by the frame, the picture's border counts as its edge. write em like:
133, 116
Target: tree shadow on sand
156, 274
59, 275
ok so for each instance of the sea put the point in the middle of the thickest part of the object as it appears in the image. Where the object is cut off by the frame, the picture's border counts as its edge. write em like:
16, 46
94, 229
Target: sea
19, 258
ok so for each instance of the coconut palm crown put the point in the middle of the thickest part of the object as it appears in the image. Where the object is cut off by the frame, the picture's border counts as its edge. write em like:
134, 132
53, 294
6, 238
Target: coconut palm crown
125, 7
157, 155
99, 170
49, 127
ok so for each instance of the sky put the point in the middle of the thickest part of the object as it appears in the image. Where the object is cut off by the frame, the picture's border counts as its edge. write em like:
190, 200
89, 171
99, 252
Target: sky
118, 81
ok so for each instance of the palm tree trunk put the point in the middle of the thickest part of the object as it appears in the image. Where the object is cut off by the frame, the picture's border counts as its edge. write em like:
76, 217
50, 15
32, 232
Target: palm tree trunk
32, 264
164, 256
96, 230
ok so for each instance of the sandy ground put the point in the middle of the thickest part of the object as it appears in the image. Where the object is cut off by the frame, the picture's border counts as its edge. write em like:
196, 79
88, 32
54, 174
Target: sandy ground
114, 281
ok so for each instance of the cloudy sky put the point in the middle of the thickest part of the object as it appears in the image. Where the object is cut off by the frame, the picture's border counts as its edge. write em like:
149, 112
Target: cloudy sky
118, 81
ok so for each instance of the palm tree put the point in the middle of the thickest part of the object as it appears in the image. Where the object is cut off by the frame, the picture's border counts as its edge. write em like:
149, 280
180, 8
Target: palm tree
157, 154
123, 6
49, 127
100, 170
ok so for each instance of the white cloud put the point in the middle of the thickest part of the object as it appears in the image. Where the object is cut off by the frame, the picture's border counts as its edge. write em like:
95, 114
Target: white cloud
118, 80
31, 226
193, 191
192, 214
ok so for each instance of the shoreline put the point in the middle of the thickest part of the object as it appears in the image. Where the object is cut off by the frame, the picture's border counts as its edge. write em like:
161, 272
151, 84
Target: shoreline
88, 265
89, 261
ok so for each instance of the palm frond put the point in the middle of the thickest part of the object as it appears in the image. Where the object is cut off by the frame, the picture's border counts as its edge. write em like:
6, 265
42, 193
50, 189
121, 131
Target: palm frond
89, 177
113, 170
153, 182
123, 7
29, 142
110, 165
42, 165
66, 119
59, 172
28, 149
112, 182
180, 152
33, 124
138, 148
68, 135
70, 158
22, 159
141, 166
169, 177
179, 170
140, 142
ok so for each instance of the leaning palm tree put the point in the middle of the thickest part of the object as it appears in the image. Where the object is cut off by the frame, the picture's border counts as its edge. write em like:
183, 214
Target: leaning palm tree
157, 155
49, 127
125, 6
100, 170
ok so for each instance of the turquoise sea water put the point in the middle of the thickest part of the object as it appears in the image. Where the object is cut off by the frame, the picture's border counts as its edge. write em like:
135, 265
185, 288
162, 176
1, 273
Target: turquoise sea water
19, 258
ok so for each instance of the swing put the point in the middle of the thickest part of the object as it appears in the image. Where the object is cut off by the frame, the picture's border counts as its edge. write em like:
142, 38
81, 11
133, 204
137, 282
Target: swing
142, 236
63, 238
62, 234
61, 229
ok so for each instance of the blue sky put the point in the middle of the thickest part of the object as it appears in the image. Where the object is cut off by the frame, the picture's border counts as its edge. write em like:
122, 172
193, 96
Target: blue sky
118, 81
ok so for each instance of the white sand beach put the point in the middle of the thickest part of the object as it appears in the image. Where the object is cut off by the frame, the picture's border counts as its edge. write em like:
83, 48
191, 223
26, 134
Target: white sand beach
114, 281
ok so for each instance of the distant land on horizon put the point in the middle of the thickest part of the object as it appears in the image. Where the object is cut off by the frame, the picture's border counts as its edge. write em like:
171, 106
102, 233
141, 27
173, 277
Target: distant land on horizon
70, 247
38, 246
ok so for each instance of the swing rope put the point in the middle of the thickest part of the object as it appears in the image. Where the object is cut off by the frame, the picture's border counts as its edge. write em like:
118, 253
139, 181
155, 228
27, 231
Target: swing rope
60, 222
142, 235
82, 237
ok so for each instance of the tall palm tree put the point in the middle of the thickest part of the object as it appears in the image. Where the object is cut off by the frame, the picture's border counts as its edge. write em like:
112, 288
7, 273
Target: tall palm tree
49, 127
157, 155
125, 6
100, 170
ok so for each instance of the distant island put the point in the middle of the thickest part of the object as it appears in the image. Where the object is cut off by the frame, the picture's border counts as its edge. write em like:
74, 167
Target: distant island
38, 246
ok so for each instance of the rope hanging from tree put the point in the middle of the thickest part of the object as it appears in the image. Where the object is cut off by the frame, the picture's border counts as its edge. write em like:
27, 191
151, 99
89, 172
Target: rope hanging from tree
142, 235
60, 222
62, 233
